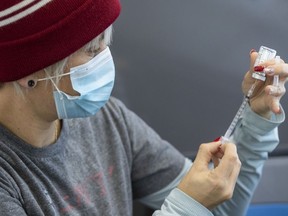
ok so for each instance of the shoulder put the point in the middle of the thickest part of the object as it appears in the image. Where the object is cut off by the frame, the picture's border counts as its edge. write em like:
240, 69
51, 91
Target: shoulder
115, 110
115, 105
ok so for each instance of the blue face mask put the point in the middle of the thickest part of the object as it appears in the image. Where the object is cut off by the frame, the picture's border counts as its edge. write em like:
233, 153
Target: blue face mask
94, 82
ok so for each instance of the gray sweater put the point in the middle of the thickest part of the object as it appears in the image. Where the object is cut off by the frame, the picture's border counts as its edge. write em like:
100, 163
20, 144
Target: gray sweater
97, 167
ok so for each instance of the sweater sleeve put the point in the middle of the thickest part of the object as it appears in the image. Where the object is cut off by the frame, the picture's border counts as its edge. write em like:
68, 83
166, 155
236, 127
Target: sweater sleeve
179, 203
176, 202
255, 137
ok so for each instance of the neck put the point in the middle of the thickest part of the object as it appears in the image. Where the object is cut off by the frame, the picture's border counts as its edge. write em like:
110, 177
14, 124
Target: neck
35, 133
24, 122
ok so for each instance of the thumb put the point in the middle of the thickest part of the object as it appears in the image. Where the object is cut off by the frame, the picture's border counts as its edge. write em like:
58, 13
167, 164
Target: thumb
253, 56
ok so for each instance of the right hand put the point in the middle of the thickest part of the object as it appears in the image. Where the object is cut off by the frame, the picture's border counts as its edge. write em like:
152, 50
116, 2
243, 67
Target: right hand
212, 186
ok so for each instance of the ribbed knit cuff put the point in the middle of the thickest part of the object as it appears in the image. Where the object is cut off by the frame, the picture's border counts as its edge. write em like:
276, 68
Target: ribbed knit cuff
185, 205
260, 125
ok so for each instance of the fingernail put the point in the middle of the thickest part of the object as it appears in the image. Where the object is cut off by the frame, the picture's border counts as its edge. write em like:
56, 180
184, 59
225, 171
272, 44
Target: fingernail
252, 50
258, 68
269, 71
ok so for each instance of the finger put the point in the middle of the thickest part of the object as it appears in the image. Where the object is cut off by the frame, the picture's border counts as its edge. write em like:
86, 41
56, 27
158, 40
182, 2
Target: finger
275, 92
234, 175
228, 161
273, 61
205, 154
216, 161
216, 158
248, 75
253, 56
275, 105
278, 69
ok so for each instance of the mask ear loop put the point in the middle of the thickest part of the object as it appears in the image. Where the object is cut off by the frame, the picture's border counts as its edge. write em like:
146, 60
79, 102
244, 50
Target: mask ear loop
51, 79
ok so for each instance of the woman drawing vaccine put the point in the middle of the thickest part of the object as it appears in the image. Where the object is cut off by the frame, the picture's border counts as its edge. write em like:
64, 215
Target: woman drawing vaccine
68, 148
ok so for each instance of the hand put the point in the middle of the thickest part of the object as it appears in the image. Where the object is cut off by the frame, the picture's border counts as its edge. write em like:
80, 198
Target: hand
212, 186
266, 97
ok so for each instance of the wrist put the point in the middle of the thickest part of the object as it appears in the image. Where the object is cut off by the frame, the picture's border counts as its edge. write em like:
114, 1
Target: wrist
188, 204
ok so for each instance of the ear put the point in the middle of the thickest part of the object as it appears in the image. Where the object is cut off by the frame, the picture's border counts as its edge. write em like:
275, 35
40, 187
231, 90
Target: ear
27, 82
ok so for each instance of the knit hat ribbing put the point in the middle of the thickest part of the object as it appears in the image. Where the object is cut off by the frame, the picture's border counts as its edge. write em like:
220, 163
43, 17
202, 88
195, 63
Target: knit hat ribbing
37, 33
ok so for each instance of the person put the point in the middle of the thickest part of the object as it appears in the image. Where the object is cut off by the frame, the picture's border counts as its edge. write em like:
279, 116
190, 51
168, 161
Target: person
68, 148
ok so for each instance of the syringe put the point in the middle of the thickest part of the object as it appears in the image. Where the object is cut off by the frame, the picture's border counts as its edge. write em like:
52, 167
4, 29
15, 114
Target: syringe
264, 54
238, 115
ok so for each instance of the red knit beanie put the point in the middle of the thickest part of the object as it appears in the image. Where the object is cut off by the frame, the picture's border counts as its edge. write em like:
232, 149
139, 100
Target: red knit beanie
37, 33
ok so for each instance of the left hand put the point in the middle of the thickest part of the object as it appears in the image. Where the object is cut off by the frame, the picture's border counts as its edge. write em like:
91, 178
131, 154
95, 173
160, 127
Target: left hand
266, 97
